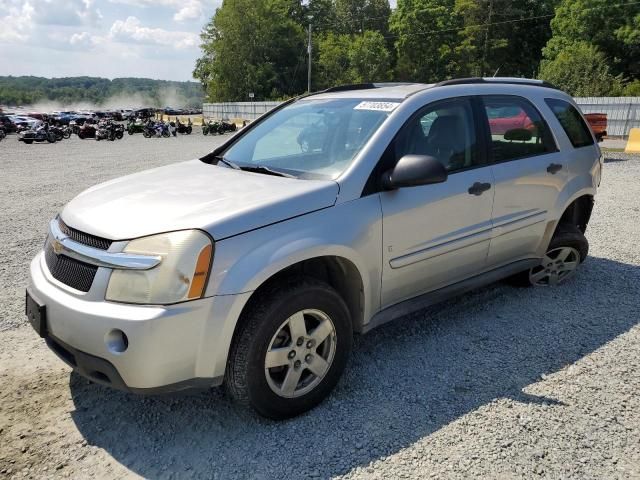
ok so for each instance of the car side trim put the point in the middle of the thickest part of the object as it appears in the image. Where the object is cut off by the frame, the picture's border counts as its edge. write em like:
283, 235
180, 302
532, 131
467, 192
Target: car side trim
64, 245
436, 296
441, 248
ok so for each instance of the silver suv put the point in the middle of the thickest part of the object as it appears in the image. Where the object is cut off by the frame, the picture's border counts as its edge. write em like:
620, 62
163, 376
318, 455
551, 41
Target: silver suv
338, 211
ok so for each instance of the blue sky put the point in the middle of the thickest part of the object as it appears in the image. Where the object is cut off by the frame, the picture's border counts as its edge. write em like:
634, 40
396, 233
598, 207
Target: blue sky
103, 38
106, 38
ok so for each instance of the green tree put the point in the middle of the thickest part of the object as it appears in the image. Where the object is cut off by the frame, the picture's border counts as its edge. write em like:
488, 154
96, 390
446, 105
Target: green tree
323, 13
357, 16
582, 71
613, 27
426, 35
369, 59
333, 60
97, 91
253, 46
502, 37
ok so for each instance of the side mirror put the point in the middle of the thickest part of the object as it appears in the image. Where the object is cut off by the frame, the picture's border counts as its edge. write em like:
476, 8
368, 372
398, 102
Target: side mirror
413, 171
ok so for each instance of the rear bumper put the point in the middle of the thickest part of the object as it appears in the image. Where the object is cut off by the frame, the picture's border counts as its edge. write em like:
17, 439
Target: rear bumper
169, 348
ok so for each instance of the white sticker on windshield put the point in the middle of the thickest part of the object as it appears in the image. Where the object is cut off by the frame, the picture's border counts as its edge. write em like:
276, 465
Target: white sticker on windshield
379, 106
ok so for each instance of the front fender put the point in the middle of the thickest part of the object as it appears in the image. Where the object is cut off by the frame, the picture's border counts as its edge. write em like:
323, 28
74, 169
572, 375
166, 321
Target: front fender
351, 230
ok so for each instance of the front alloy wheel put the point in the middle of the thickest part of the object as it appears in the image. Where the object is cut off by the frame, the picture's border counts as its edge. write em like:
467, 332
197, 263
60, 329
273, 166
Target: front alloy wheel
292, 344
300, 353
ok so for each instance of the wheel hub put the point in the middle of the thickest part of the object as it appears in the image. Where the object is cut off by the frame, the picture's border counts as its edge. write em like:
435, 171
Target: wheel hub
300, 353
558, 265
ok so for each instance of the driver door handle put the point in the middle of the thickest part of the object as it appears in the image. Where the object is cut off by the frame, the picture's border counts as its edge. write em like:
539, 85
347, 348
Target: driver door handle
478, 188
554, 168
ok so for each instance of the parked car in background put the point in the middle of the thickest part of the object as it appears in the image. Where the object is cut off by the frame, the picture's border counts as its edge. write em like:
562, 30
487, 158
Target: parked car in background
598, 124
253, 266
7, 124
24, 123
505, 118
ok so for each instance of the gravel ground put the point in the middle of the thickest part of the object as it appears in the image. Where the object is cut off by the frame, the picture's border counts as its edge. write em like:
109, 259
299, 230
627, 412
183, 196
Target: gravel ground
501, 383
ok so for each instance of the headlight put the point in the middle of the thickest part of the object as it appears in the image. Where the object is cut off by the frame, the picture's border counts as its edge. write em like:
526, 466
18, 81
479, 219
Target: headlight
181, 275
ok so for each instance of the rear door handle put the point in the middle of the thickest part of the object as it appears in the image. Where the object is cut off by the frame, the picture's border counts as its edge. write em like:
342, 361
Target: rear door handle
554, 168
478, 188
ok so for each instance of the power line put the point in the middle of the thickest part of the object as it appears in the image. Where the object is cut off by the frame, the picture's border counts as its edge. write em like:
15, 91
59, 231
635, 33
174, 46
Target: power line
487, 24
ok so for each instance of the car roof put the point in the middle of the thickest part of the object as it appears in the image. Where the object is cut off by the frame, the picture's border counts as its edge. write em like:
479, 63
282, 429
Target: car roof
396, 91
400, 91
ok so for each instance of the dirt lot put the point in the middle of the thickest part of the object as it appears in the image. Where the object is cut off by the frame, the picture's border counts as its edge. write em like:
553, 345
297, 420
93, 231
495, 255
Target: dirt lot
503, 382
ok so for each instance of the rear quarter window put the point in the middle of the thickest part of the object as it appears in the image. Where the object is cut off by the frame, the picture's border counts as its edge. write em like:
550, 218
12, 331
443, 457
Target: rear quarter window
574, 126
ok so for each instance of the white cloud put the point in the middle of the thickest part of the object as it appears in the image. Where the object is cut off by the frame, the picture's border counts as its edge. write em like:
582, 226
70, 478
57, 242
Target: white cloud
131, 29
16, 23
192, 10
82, 40
185, 10
65, 12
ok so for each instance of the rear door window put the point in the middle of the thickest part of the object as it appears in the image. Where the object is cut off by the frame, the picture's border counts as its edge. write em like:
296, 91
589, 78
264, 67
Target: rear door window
574, 126
517, 129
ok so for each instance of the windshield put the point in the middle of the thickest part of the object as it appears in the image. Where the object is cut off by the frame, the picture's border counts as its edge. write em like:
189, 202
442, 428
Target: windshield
310, 138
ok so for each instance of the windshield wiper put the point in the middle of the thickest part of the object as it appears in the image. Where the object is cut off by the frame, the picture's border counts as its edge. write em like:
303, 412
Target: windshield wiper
265, 170
228, 163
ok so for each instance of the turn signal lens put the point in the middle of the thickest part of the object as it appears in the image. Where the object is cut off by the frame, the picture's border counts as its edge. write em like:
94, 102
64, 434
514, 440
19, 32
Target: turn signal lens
200, 274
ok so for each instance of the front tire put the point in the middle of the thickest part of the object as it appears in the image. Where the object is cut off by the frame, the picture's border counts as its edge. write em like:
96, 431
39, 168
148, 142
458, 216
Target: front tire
290, 349
567, 250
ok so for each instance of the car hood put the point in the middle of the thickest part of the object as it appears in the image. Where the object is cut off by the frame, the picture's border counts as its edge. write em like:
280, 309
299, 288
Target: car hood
193, 194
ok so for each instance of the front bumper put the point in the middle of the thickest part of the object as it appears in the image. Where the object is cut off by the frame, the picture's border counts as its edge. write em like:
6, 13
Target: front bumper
170, 347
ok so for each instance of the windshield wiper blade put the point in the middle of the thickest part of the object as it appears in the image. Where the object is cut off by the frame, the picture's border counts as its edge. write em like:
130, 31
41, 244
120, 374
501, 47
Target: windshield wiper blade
228, 163
266, 170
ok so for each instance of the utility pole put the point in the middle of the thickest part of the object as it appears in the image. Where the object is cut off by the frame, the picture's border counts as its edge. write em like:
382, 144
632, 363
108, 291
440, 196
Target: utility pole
309, 53
485, 52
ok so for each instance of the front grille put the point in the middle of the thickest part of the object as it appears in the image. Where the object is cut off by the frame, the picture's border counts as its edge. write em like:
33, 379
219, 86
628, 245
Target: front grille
84, 238
76, 274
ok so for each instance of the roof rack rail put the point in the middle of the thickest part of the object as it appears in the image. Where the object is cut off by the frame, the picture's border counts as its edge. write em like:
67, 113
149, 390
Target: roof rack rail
346, 88
364, 86
500, 80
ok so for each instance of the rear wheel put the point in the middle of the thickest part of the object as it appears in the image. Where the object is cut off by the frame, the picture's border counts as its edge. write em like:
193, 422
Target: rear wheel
291, 348
567, 250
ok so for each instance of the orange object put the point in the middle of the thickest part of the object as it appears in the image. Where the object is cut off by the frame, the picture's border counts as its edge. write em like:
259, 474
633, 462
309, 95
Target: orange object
200, 274
598, 123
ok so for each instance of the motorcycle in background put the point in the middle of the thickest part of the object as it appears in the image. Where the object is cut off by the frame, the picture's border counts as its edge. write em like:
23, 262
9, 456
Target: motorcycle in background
135, 126
218, 127
185, 129
41, 134
118, 129
109, 130
87, 130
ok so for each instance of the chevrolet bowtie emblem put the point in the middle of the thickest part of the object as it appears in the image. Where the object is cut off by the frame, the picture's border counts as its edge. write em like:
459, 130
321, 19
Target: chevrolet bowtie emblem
57, 247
